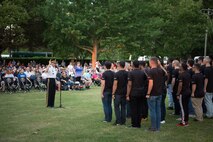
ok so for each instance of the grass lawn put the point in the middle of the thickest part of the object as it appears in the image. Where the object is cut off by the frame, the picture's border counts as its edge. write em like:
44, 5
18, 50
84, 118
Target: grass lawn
24, 118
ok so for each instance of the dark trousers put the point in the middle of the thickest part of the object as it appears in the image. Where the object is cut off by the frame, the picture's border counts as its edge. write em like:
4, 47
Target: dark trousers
144, 111
120, 109
176, 104
204, 107
107, 106
184, 104
128, 112
51, 89
163, 107
136, 108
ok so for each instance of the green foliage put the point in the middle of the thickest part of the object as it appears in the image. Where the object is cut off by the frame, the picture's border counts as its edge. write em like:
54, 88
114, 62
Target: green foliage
12, 16
70, 28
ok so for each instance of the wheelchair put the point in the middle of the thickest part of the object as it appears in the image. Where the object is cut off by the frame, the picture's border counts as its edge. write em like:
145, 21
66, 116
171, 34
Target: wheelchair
39, 84
11, 84
25, 84
2, 85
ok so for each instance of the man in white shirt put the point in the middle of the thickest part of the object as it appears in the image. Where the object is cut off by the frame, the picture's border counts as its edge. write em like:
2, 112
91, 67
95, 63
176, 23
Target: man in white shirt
51, 83
27, 72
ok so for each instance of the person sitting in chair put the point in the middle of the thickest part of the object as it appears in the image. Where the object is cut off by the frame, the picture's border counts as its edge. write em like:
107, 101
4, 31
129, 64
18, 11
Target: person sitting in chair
66, 82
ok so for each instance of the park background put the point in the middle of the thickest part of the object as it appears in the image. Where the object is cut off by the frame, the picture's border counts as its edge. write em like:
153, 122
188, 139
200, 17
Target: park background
103, 30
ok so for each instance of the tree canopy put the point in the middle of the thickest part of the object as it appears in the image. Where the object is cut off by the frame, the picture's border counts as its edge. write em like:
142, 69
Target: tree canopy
106, 29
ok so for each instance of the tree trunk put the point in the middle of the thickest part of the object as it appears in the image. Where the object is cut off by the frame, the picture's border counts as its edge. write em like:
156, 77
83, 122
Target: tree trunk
94, 53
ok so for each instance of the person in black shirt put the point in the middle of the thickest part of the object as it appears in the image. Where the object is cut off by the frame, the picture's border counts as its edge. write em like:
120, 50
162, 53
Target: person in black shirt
190, 64
164, 92
66, 83
154, 93
175, 74
169, 85
183, 94
119, 93
197, 92
144, 110
106, 91
208, 87
200, 61
135, 92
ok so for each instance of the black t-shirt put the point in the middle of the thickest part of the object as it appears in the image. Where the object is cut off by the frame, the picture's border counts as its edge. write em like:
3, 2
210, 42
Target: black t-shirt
164, 87
169, 71
185, 78
64, 78
175, 75
122, 78
157, 75
139, 82
198, 80
208, 73
108, 76
190, 71
202, 69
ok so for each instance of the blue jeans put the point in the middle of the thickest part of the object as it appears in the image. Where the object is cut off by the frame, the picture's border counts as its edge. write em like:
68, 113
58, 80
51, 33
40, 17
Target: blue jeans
154, 103
120, 109
169, 94
209, 104
107, 106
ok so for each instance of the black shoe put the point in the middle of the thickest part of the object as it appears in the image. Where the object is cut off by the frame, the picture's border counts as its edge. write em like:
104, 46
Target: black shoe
133, 127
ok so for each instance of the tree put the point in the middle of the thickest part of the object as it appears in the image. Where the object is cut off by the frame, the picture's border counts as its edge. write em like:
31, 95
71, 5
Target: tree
156, 27
12, 16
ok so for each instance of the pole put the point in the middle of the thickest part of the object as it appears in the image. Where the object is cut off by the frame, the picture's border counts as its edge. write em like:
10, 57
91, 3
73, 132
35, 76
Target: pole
206, 40
209, 12
60, 105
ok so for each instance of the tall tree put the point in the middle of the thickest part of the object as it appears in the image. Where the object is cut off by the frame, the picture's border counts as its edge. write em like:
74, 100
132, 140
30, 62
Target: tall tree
12, 16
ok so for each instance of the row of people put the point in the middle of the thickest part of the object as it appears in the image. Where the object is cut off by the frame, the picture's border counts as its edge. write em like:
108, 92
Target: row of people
146, 88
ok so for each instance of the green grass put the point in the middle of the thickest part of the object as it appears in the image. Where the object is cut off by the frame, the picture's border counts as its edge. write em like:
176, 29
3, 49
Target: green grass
24, 118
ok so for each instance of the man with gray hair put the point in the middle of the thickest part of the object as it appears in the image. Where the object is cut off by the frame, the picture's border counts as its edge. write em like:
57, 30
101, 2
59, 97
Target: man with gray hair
208, 89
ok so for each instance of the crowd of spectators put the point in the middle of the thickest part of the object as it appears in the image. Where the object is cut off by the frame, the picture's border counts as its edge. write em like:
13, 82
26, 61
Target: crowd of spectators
15, 76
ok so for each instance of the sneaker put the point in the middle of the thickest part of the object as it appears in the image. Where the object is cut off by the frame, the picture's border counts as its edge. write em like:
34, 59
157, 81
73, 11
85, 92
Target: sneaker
104, 121
163, 122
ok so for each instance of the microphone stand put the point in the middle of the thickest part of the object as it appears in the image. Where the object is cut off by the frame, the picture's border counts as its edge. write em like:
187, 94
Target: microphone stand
60, 105
60, 93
